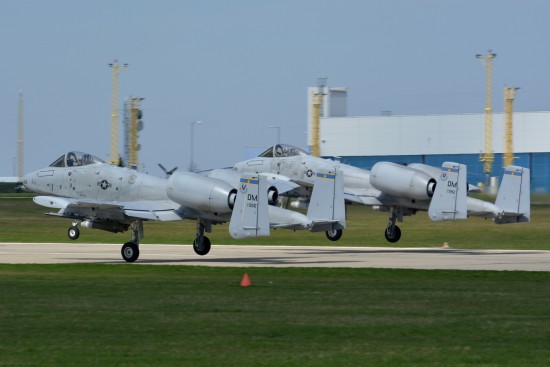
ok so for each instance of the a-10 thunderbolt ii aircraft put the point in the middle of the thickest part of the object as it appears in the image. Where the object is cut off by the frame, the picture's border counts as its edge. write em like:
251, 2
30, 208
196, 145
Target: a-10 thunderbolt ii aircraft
401, 190
97, 195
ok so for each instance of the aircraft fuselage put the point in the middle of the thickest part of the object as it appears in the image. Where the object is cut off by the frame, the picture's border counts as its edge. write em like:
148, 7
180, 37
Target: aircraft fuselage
98, 181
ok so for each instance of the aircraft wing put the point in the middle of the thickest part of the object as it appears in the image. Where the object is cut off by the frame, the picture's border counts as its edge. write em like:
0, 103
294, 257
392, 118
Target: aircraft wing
361, 196
161, 210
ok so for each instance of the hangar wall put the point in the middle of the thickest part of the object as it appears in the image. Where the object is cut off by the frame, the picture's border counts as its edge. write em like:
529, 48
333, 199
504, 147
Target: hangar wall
433, 139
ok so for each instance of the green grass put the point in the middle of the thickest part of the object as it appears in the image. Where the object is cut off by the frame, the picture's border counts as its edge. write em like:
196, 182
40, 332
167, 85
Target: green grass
23, 221
128, 315
101, 315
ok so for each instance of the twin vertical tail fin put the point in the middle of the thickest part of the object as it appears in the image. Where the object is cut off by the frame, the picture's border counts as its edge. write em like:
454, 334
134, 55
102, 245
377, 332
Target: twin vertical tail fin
251, 212
449, 199
326, 208
514, 196
250, 216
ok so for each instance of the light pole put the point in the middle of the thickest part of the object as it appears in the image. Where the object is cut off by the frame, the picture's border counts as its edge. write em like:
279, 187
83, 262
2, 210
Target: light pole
192, 138
13, 165
278, 132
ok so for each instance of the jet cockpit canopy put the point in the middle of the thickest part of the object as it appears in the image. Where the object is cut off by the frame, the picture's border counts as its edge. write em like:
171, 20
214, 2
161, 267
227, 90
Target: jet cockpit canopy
282, 150
74, 159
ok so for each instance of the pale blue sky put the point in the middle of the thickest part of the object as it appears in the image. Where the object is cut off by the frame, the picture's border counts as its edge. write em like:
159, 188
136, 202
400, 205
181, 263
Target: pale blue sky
243, 65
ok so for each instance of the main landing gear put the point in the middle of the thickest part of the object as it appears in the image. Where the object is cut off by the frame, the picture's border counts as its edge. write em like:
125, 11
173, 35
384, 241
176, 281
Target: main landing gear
201, 244
393, 232
334, 234
130, 250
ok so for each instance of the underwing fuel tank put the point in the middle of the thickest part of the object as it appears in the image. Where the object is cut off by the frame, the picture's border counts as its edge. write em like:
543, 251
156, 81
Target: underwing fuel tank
399, 180
190, 190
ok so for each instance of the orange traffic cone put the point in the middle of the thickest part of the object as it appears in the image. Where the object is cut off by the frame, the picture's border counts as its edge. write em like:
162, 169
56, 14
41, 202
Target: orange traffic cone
245, 282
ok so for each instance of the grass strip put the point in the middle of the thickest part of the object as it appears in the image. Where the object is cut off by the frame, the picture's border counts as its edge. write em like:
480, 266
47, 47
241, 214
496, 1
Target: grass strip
127, 315
23, 221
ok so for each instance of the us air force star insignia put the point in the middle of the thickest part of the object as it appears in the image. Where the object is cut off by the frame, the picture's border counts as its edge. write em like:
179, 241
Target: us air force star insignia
104, 184
132, 179
309, 173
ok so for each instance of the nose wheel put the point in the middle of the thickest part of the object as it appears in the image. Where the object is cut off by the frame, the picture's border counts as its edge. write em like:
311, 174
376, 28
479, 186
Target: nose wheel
73, 232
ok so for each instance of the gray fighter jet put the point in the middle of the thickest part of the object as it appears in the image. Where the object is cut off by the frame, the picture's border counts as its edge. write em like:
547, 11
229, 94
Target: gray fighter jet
98, 195
401, 190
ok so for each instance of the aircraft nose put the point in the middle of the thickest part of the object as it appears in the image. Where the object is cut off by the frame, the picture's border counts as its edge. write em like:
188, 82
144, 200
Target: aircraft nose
27, 180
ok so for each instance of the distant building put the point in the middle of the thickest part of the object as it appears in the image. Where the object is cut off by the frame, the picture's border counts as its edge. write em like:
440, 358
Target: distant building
433, 139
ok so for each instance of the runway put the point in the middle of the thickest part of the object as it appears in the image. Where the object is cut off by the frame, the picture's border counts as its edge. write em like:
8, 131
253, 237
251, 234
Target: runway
280, 256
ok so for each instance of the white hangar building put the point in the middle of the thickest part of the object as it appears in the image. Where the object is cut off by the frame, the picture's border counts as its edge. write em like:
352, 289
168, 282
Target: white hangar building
431, 139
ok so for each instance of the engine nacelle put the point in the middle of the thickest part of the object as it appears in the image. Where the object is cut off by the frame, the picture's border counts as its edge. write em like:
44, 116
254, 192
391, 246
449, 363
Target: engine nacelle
402, 181
200, 192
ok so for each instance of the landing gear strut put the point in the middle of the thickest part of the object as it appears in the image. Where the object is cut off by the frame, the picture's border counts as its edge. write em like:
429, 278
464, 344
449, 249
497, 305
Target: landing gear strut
130, 250
393, 232
201, 244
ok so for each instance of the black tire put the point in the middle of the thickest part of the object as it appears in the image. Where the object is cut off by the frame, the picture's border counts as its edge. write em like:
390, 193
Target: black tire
204, 249
393, 237
73, 232
130, 252
334, 235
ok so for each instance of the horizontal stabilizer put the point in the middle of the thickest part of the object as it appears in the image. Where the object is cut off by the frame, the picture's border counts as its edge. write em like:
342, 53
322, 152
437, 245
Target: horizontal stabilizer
449, 199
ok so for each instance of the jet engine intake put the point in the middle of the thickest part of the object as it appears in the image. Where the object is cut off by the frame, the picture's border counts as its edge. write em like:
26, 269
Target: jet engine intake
272, 195
398, 180
200, 192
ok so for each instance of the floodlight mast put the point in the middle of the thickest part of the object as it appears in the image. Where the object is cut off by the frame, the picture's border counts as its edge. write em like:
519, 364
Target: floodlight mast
136, 125
20, 171
317, 106
509, 96
488, 156
115, 156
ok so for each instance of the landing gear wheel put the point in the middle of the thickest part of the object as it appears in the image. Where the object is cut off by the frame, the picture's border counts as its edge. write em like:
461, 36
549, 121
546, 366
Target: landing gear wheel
130, 252
73, 232
202, 249
334, 234
393, 236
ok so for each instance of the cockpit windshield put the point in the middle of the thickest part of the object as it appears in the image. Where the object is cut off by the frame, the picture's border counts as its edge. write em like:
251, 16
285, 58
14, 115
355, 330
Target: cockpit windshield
74, 159
282, 150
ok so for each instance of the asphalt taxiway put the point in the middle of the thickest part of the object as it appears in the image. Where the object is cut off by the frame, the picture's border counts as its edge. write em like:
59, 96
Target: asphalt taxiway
281, 256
